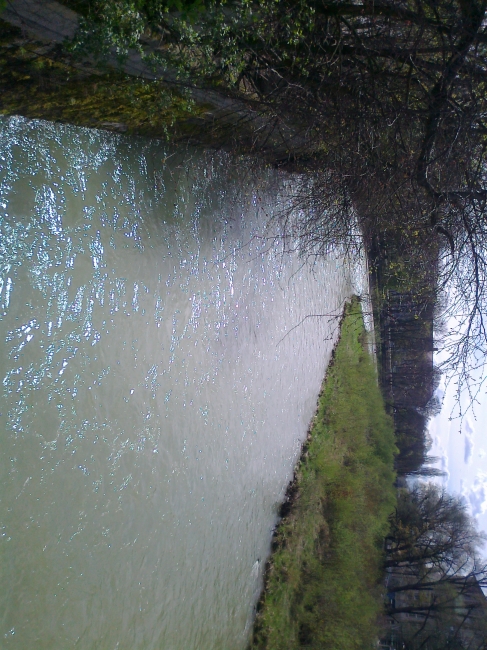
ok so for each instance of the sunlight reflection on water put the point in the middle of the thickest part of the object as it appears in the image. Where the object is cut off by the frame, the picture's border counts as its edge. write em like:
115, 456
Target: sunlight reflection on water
151, 408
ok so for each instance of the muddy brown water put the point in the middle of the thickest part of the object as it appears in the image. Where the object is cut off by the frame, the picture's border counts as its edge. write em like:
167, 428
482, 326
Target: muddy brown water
152, 407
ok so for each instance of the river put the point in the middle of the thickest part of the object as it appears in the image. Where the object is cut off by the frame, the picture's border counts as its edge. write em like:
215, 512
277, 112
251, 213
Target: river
155, 394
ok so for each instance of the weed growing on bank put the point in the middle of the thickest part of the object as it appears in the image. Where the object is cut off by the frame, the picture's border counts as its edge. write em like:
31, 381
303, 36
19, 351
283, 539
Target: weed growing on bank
323, 580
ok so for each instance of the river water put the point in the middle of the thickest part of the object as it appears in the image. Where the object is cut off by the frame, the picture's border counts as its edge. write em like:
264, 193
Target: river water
154, 394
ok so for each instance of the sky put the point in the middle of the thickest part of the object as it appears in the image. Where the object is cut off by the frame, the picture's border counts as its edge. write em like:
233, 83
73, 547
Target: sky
462, 450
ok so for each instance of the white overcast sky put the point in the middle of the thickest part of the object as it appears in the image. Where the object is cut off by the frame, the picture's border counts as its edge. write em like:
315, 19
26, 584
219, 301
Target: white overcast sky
462, 449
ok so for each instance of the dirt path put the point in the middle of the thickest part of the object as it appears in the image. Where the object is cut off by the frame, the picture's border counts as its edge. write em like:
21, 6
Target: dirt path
45, 21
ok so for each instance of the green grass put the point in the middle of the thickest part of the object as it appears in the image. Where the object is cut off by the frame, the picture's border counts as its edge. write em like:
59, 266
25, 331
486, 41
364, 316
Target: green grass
323, 581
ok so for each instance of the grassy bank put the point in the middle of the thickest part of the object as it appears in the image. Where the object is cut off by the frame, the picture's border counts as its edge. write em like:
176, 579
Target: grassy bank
323, 579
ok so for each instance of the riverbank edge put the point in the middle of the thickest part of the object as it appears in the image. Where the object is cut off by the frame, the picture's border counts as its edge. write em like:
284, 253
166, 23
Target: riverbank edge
323, 579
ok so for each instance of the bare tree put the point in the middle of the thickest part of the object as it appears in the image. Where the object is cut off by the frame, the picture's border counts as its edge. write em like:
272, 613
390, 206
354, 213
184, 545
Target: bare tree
435, 576
432, 528
382, 105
